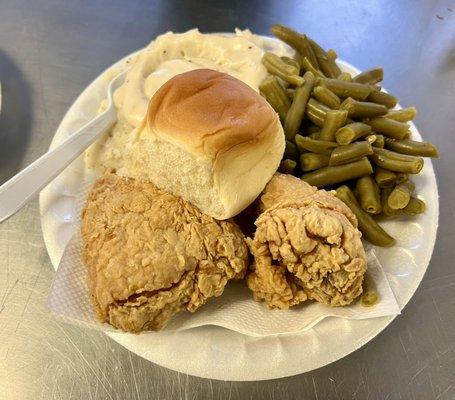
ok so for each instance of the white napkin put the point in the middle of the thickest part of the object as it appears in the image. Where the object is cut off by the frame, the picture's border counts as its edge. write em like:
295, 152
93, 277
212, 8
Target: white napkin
236, 310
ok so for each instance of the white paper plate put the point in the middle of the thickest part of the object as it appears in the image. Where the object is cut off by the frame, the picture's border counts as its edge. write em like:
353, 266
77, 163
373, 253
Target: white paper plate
217, 353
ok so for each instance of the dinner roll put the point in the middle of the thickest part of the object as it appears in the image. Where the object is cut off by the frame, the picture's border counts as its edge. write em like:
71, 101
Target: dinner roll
210, 139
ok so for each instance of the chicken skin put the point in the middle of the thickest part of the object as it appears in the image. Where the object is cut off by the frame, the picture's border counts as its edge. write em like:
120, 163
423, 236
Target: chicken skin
306, 247
150, 254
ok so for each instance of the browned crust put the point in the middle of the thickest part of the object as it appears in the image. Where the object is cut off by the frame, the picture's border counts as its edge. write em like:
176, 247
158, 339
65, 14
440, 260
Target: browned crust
209, 112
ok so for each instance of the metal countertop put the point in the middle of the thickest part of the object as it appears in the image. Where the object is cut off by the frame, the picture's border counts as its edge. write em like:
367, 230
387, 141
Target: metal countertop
49, 52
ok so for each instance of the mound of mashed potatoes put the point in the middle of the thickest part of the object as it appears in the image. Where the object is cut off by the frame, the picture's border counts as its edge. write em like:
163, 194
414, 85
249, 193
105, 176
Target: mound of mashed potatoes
238, 54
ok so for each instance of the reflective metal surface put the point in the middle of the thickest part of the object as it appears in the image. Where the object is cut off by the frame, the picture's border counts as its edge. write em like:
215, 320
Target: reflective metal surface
50, 50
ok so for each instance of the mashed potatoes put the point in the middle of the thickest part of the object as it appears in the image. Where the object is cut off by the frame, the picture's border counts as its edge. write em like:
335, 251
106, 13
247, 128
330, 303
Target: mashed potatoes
171, 54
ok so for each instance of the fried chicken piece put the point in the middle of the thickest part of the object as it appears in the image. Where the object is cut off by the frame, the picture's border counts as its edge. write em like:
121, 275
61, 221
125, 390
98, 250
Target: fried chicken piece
306, 246
150, 254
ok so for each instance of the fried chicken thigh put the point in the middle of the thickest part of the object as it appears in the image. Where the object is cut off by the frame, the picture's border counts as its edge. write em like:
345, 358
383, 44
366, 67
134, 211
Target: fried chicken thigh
150, 254
306, 247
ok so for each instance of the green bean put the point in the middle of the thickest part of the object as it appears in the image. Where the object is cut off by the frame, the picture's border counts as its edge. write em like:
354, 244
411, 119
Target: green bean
402, 115
394, 155
362, 109
331, 175
400, 195
295, 40
276, 66
297, 110
368, 194
371, 231
357, 91
389, 127
387, 211
332, 58
314, 135
292, 62
371, 139
333, 121
316, 112
370, 294
401, 177
287, 166
351, 132
312, 161
371, 76
319, 108
314, 117
375, 140
291, 151
378, 140
307, 66
379, 97
414, 207
332, 54
369, 299
318, 81
308, 51
276, 96
298, 59
412, 147
290, 93
315, 146
345, 76
327, 97
384, 178
396, 162
349, 153
326, 61
279, 63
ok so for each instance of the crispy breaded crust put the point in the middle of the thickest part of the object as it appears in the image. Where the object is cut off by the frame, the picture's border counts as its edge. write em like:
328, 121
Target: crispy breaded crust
150, 254
306, 246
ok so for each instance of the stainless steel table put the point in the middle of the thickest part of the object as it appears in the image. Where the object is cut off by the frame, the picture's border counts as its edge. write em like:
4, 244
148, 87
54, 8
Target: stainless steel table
50, 50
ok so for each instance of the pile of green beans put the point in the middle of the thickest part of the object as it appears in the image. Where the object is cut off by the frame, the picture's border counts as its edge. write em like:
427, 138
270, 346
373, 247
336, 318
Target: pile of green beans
343, 129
